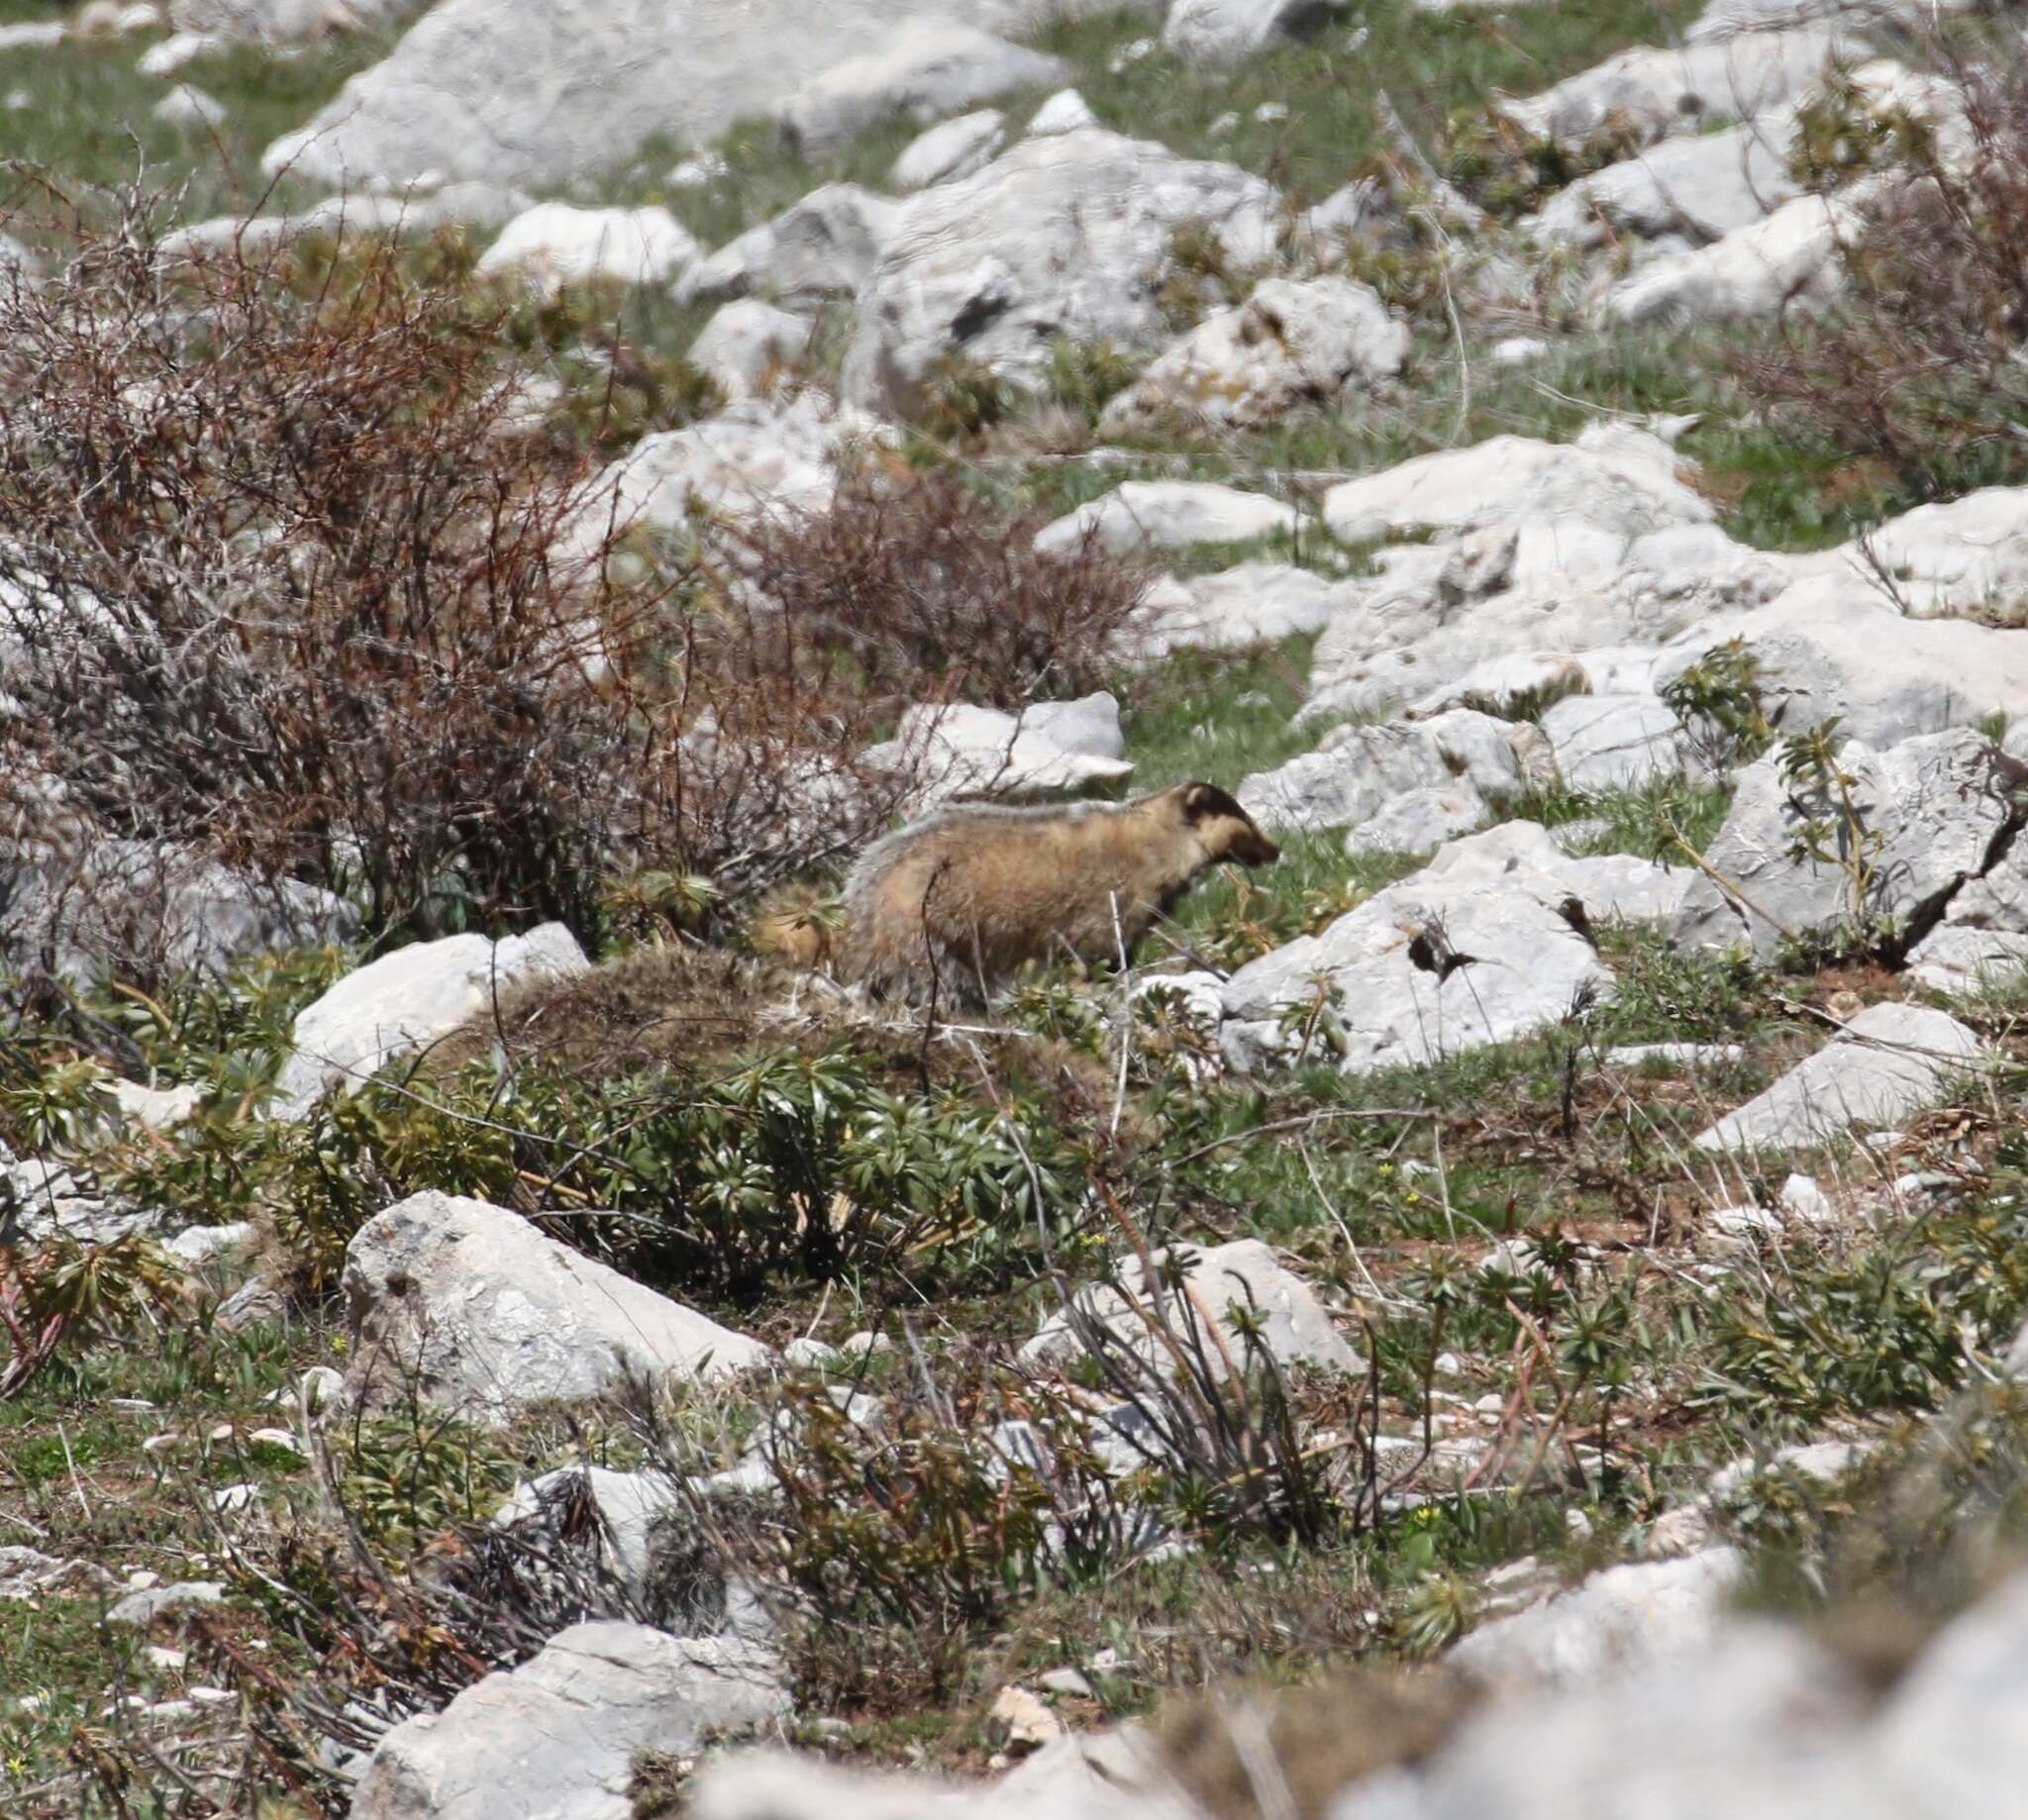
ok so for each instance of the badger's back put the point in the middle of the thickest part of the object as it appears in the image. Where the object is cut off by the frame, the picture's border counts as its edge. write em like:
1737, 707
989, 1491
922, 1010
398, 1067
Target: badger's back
969, 894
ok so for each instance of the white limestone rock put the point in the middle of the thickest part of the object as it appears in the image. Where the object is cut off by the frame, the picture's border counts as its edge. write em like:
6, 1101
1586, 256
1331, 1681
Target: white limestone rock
555, 244
925, 70
555, 1739
408, 1000
1243, 1278
1888, 1061
1066, 236
747, 342
1668, 91
1049, 748
1291, 340
820, 246
1168, 515
1932, 808
1225, 31
1612, 478
469, 1307
951, 149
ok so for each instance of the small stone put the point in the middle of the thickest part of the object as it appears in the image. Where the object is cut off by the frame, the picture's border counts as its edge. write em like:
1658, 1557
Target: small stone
1066, 1681
165, 1659
141, 1578
231, 1500
1519, 351
1020, 1722
1064, 112
866, 1344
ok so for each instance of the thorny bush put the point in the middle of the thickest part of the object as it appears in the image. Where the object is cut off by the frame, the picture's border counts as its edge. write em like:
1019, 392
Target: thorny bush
293, 577
1919, 366
928, 588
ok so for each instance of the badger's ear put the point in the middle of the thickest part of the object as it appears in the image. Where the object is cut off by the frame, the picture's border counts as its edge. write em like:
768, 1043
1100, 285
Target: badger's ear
1201, 801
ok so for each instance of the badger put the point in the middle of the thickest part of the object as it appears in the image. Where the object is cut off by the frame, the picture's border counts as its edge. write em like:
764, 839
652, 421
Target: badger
955, 902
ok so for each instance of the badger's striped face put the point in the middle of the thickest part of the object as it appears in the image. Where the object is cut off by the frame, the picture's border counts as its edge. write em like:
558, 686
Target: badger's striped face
1226, 830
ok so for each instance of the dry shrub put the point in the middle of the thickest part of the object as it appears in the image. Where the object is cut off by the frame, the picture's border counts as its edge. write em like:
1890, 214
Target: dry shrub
1919, 366
928, 589
293, 576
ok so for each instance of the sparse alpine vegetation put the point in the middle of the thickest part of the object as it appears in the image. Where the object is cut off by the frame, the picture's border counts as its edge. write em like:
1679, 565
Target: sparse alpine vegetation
1516, 1307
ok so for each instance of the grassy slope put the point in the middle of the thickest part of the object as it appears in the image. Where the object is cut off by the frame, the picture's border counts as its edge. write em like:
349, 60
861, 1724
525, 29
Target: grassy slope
1532, 1138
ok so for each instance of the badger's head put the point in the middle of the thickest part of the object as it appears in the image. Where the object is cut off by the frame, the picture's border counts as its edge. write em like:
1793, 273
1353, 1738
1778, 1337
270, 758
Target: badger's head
1225, 831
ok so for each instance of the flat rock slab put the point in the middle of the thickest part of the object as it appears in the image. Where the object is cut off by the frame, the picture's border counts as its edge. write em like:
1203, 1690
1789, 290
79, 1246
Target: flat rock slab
555, 1739
473, 1309
1888, 1061
1168, 515
1613, 478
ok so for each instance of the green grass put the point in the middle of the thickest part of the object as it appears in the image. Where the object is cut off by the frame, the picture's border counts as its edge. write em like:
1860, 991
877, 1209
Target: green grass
91, 128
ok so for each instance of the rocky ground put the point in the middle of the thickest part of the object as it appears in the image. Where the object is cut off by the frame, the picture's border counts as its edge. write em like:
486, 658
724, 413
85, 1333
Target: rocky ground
1513, 1309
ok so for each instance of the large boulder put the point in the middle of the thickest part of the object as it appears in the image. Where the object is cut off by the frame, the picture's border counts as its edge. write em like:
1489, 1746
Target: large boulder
547, 91
469, 1307
408, 1000
555, 1739
1488, 941
1291, 340
1660, 92
1063, 237
1959, 558
923, 70
143, 908
1255, 603
1242, 1283
1884, 852
1888, 1061
1562, 605
1225, 31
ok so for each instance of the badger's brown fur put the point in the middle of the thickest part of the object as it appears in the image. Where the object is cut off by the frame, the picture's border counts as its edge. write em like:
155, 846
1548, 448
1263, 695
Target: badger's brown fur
955, 902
